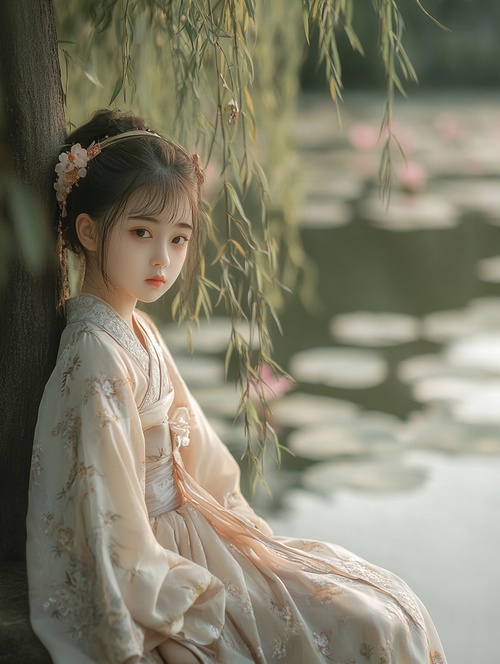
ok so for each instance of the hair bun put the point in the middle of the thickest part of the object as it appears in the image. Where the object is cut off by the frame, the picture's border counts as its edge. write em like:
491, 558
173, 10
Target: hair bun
104, 124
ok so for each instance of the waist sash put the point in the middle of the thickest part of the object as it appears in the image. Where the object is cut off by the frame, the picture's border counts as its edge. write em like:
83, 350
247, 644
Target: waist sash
161, 493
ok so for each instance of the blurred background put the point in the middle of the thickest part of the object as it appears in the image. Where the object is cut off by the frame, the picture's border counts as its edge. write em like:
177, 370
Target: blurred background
391, 331
394, 416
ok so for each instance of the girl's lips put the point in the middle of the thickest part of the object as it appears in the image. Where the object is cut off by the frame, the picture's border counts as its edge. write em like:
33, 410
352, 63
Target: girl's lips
156, 281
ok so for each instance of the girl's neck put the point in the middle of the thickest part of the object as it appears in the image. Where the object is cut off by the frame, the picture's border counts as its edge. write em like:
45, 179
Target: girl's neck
124, 306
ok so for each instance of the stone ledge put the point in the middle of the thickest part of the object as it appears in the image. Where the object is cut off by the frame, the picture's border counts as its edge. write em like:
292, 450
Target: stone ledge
18, 642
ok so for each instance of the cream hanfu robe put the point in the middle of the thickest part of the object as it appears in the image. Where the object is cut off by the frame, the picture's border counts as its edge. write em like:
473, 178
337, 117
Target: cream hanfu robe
138, 532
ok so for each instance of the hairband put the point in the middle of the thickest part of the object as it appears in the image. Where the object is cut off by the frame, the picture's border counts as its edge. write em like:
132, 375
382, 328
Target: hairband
72, 165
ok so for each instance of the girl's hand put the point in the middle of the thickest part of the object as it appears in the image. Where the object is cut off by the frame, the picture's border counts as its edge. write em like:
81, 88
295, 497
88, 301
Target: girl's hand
173, 652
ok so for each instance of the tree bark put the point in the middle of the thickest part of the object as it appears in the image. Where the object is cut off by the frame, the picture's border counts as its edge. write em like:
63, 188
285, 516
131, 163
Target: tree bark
29, 329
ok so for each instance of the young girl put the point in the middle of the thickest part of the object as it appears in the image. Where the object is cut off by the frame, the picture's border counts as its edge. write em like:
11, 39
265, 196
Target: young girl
141, 547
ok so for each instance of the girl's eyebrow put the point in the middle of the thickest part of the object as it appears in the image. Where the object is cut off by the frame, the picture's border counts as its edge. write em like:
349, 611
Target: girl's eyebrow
144, 217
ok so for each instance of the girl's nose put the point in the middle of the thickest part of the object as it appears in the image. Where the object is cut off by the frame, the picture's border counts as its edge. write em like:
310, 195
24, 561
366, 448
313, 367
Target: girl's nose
161, 258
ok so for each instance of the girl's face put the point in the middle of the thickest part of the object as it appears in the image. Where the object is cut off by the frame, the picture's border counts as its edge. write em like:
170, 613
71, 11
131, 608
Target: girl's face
145, 254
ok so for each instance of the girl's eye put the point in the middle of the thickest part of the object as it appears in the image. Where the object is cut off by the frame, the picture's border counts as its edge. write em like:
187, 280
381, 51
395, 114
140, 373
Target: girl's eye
142, 232
180, 239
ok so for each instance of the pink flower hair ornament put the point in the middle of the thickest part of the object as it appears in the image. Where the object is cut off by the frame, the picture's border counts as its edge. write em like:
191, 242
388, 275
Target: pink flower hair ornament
71, 168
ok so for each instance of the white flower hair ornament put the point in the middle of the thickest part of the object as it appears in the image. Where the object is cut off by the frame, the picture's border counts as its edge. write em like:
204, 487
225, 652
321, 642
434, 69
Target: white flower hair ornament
72, 168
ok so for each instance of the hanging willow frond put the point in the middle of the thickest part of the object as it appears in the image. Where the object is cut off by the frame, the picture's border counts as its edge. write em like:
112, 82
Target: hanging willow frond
396, 63
212, 72
326, 17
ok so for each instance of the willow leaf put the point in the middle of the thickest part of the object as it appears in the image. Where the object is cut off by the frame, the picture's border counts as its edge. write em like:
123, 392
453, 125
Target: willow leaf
236, 200
305, 20
117, 89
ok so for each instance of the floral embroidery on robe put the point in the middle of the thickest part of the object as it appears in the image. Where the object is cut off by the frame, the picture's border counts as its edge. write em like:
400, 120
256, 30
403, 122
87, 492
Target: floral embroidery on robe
138, 531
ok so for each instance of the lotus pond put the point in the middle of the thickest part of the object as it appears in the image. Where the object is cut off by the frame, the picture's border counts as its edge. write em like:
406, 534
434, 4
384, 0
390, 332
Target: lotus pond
394, 418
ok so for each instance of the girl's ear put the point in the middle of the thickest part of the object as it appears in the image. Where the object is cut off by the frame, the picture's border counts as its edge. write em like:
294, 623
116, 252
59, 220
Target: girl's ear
86, 230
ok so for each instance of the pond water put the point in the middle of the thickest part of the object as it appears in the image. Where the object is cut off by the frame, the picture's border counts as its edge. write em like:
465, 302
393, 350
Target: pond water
395, 414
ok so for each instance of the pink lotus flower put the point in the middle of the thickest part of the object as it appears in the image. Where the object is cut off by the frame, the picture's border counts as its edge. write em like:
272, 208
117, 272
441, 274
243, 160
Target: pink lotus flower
364, 136
411, 176
272, 386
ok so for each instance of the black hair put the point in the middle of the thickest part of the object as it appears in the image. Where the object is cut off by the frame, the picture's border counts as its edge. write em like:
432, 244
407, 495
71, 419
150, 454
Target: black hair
158, 171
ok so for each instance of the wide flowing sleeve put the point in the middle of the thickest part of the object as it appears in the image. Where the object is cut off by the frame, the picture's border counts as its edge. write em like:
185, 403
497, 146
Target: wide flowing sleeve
102, 589
207, 459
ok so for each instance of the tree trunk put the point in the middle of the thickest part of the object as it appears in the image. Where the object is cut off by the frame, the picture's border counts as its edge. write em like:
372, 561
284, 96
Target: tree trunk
29, 329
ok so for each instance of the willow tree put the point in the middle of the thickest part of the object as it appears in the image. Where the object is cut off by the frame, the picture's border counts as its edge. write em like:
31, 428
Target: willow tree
32, 126
222, 77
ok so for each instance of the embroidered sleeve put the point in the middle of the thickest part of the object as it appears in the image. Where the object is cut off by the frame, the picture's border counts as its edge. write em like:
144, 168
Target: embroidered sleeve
98, 578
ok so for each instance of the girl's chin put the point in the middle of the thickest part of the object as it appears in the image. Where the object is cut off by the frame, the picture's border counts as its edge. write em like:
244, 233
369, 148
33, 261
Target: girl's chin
152, 297
148, 299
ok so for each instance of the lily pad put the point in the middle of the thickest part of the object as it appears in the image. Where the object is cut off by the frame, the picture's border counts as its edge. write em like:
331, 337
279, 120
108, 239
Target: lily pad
369, 433
350, 368
232, 433
448, 387
438, 429
223, 400
469, 397
480, 406
301, 409
201, 371
209, 336
324, 214
421, 366
442, 326
479, 352
475, 195
408, 212
485, 312
369, 475
481, 314
366, 328
338, 186
488, 269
